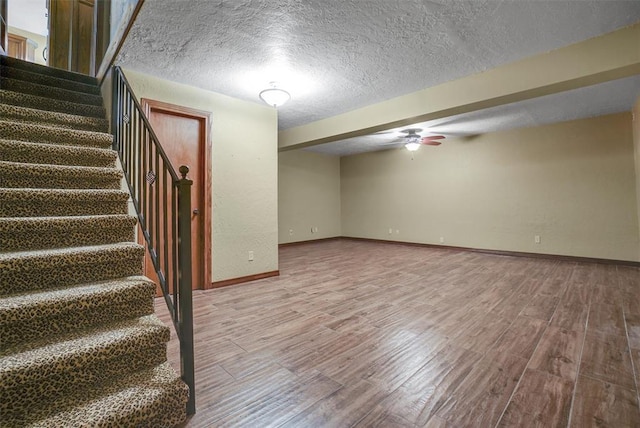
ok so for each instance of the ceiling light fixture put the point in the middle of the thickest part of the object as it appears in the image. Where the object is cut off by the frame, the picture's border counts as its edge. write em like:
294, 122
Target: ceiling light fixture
274, 96
413, 143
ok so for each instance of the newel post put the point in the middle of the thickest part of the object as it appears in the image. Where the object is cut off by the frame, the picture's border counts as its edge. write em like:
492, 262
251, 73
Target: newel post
185, 307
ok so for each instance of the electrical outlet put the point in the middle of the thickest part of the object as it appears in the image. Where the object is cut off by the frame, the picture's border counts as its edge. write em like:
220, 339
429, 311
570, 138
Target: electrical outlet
442, 239
250, 256
315, 229
390, 231
290, 232
537, 239
312, 230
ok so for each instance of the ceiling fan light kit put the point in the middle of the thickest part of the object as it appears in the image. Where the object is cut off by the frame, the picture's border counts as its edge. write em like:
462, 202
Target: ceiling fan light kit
274, 96
412, 146
413, 140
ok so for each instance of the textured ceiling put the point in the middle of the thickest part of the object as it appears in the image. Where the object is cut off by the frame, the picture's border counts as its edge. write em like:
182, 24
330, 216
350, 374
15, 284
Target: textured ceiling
612, 97
334, 56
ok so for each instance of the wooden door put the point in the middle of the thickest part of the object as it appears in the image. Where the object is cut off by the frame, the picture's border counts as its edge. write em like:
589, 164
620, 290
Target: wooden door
83, 57
184, 135
71, 35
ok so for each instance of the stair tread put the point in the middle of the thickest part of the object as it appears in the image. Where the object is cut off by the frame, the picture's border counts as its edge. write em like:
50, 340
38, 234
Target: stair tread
89, 195
46, 313
20, 201
33, 357
48, 134
64, 298
55, 154
47, 91
128, 402
50, 104
30, 233
60, 147
68, 222
19, 175
54, 257
53, 119
48, 80
60, 267
46, 70
6, 166
63, 254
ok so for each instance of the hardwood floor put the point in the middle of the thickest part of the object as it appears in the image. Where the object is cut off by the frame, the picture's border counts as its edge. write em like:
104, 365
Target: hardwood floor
367, 334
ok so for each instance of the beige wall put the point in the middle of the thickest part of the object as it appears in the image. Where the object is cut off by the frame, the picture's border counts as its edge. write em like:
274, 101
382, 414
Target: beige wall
105, 90
636, 149
308, 196
244, 176
572, 183
41, 41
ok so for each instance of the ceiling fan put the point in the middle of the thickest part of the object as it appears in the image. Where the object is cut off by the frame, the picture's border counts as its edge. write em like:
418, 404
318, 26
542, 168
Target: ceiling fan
412, 140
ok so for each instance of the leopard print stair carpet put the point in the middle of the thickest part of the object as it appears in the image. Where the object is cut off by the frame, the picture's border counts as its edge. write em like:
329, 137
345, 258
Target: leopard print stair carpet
79, 343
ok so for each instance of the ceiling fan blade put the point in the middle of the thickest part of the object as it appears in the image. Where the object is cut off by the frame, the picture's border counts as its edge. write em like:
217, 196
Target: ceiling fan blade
431, 143
433, 137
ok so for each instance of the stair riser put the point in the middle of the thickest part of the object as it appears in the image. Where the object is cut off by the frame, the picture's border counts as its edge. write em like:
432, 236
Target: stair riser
59, 120
66, 273
129, 304
158, 402
43, 79
35, 239
23, 152
30, 208
49, 92
42, 103
45, 134
83, 374
48, 71
167, 411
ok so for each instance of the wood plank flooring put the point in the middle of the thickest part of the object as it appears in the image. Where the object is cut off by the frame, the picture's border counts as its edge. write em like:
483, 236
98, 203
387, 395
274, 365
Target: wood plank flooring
369, 334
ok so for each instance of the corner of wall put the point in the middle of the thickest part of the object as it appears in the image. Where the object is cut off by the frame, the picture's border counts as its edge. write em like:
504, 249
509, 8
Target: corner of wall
105, 90
308, 196
636, 151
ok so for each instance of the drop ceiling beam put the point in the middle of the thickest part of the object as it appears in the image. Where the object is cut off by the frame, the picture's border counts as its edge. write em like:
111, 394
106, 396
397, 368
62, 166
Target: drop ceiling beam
611, 56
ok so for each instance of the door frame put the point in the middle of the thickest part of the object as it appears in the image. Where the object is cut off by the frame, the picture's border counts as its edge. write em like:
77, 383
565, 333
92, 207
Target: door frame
4, 26
204, 157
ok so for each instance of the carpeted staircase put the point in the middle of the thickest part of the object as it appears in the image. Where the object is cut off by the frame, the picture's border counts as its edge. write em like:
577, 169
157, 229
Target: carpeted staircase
79, 344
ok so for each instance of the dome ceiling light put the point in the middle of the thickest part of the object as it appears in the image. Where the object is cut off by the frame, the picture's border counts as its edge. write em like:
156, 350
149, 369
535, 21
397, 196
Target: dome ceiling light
274, 96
